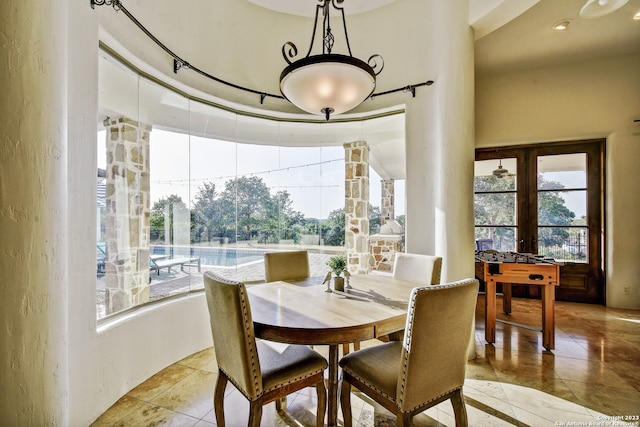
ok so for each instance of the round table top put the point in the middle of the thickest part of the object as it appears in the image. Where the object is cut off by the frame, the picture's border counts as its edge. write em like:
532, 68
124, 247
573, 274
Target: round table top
302, 312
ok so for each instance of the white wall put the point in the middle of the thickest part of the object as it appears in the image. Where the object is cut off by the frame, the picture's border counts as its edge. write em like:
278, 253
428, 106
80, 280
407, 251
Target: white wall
107, 362
33, 223
571, 102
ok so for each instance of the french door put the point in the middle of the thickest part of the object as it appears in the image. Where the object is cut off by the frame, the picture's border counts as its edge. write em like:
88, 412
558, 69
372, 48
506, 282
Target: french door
546, 199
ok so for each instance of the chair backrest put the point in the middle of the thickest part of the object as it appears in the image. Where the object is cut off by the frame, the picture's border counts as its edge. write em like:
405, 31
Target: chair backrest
233, 336
484, 244
436, 340
286, 265
418, 268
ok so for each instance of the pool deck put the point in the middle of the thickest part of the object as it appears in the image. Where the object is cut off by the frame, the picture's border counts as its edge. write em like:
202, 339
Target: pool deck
166, 284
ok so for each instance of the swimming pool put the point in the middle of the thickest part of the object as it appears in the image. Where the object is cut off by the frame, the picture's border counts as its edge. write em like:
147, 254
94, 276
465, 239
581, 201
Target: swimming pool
226, 257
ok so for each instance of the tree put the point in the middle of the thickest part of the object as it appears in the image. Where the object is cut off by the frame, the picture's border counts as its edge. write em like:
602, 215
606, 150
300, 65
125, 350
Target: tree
496, 205
552, 211
289, 221
207, 218
162, 213
375, 219
251, 199
333, 228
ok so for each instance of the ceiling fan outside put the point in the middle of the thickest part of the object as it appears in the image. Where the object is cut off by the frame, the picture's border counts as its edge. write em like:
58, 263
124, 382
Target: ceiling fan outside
501, 172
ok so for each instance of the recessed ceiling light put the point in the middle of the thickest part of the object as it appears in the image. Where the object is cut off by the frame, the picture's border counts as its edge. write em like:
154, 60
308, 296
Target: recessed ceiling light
637, 16
561, 25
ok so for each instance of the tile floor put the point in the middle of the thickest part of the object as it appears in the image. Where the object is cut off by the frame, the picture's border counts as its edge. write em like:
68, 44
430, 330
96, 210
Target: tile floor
592, 375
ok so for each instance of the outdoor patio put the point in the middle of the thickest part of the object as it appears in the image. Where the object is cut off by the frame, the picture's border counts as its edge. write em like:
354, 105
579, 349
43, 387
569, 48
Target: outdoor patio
176, 282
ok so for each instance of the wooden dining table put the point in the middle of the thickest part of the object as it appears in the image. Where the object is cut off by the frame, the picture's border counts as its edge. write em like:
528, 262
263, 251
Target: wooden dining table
303, 312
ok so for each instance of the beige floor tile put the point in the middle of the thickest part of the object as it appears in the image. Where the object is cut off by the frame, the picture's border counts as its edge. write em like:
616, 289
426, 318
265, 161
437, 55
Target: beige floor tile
160, 382
151, 415
605, 399
192, 396
199, 359
123, 407
592, 372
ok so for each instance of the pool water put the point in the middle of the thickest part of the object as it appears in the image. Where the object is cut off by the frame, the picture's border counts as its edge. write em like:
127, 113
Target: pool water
225, 257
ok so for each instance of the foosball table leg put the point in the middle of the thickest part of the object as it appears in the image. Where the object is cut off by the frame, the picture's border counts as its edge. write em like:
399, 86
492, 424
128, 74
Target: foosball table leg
490, 312
548, 317
506, 298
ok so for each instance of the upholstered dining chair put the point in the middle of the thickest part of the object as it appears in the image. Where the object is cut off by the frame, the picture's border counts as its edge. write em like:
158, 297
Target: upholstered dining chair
428, 366
260, 372
418, 268
286, 265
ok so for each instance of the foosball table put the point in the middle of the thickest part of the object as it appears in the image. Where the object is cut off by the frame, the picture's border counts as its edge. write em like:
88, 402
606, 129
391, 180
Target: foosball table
509, 268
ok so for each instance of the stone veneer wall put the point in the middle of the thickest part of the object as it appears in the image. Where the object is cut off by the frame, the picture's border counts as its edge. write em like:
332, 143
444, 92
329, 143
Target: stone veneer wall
127, 214
383, 251
356, 206
387, 202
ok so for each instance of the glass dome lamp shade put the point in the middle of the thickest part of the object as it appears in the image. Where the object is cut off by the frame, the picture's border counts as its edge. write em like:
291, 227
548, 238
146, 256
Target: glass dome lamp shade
327, 84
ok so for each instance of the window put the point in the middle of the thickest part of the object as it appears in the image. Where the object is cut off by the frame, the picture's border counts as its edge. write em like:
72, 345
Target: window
495, 205
185, 186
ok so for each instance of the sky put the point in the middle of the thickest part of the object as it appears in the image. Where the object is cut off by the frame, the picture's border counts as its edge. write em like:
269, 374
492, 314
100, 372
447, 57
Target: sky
314, 176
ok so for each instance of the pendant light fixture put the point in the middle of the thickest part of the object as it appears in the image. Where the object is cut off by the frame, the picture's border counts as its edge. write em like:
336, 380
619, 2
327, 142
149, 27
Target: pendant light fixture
500, 172
598, 8
328, 83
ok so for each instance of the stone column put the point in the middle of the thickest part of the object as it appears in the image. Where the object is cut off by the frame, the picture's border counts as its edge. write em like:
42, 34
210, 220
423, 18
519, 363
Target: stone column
128, 214
387, 202
356, 206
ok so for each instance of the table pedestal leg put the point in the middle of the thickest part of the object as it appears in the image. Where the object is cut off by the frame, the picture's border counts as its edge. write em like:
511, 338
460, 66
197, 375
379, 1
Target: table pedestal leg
548, 317
490, 312
332, 401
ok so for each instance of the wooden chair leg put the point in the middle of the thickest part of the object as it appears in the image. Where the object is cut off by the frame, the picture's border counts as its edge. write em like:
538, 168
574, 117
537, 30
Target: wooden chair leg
459, 409
322, 403
403, 419
345, 349
356, 346
345, 402
281, 404
218, 398
255, 413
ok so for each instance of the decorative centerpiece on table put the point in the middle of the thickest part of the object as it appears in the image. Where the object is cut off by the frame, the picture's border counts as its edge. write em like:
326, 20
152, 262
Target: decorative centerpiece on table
337, 264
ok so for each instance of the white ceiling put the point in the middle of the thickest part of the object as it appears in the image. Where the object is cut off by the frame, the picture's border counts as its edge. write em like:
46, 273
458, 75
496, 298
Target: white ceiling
528, 41
517, 33
302, 8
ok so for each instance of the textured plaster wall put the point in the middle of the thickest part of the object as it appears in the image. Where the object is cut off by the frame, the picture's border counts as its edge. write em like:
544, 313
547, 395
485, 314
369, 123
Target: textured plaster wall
33, 224
440, 146
578, 101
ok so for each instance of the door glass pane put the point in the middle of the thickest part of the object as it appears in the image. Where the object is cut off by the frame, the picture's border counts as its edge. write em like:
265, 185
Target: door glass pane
495, 175
562, 171
494, 204
562, 207
564, 243
502, 239
495, 209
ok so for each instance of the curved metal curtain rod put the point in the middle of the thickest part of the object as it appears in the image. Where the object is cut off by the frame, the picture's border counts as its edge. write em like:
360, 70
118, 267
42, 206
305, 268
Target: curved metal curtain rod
179, 63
